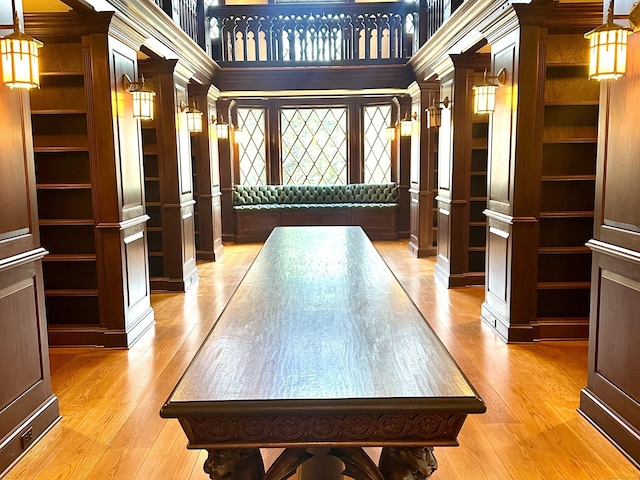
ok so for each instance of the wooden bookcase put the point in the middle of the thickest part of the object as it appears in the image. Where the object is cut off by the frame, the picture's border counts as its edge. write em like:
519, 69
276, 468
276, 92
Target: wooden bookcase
478, 199
152, 199
567, 189
196, 192
64, 188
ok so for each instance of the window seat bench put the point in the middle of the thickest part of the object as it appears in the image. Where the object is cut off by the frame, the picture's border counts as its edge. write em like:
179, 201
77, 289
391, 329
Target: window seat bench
259, 209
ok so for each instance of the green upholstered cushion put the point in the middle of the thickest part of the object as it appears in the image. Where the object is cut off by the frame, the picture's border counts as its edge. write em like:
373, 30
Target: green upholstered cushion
314, 194
254, 194
358, 195
371, 192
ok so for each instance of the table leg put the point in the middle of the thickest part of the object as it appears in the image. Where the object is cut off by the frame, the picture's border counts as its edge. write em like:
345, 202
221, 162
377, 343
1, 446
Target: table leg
322, 466
234, 464
397, 463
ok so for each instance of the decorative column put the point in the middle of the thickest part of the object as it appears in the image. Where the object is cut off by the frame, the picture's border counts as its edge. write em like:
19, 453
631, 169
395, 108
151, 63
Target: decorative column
424, 160
404, 167
228, 171
455, 154
207, 175
177, 223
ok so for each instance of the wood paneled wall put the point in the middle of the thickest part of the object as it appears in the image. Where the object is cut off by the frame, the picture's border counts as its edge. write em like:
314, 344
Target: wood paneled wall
28, 407
172, 248
611, 399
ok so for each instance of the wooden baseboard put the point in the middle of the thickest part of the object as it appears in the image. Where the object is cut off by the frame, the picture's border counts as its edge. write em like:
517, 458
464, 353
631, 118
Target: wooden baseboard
561, 328
520, 333
448, 279
422, 252
13, 448
606, 421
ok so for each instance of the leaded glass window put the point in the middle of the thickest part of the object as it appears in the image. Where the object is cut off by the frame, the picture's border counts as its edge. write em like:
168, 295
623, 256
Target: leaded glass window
377, 148
314, 146
252, 151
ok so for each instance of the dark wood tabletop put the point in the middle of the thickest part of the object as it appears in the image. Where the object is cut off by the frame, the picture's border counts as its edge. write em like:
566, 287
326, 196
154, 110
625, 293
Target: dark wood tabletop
321, 345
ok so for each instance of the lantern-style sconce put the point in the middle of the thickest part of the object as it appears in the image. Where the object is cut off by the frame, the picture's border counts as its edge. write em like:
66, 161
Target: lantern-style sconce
406, 125
194, 117
608, 45
390, 133
238, 135
435, 113
19, 53
484, 93
143, 97
222, 128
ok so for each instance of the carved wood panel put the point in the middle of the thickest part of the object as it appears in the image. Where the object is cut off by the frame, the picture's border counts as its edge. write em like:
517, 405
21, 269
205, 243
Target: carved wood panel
502, 148
20, 353
127, 138
14, 194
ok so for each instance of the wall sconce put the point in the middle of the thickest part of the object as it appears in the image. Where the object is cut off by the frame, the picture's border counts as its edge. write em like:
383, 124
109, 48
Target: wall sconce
390, 132
142, 97
608, 45
194, 117
406, 125
19, 53
435, 113
238, 135
484, 94
222, 128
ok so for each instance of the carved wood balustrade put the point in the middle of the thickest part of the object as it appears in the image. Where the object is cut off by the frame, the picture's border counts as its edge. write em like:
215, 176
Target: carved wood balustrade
314, 33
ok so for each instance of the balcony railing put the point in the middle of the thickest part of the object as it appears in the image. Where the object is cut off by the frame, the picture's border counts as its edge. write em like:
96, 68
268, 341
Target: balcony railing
189, 14
310, 33
315, 34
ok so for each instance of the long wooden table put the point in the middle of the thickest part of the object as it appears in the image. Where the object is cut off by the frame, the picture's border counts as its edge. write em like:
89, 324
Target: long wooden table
321, 346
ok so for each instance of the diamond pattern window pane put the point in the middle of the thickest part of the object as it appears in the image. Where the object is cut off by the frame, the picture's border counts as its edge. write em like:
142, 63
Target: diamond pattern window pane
314, 146
253, 155
377, 148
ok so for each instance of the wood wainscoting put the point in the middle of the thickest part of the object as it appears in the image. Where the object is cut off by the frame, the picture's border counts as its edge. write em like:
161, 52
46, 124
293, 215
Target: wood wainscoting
28, 408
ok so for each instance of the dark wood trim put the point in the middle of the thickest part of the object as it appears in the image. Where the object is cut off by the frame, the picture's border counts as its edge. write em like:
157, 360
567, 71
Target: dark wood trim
285, 77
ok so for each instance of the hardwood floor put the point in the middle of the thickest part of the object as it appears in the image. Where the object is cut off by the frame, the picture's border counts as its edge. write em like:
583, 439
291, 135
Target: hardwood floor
110, 399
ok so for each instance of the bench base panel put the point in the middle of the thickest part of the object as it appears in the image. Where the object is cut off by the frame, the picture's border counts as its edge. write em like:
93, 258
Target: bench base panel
255, 226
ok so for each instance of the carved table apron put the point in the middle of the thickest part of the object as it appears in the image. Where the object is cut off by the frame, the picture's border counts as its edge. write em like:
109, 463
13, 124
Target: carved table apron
320, 346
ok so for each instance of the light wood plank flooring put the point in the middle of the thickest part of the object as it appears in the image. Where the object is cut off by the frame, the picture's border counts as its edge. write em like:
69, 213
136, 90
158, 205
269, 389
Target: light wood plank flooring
110, 399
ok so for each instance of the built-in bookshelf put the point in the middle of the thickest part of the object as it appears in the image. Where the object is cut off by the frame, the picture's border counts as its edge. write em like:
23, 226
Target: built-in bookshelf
152, 199
435, 190
567, 189
196, 192
64, 187
478, 199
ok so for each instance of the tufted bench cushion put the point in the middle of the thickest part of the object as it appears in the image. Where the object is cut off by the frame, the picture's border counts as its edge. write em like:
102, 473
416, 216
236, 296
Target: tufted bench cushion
305, 197
244, 195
